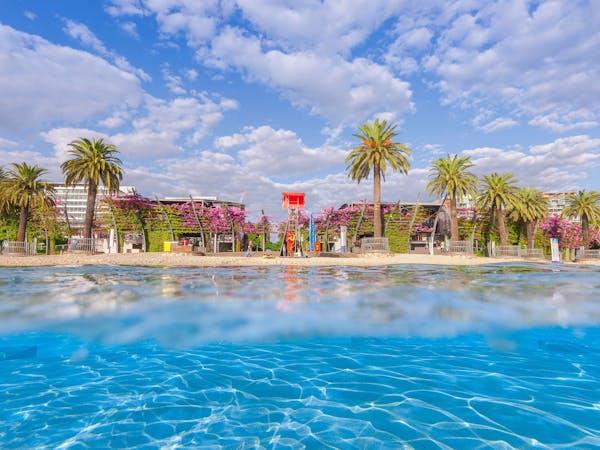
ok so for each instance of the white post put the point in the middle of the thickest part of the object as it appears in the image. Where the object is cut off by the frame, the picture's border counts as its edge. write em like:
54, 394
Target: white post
111, 240
554, 250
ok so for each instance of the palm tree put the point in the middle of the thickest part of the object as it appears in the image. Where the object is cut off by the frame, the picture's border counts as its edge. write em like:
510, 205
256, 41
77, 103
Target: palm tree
498, 194
584, 205
377, 150
3, 202
451, 179
93, 162
22, 187
530, 207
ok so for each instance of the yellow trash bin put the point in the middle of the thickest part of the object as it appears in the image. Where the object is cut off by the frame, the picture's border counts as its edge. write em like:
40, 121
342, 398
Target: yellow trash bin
167, 246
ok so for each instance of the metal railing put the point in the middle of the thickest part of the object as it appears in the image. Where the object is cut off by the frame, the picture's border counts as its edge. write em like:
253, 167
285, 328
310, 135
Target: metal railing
587, 254
537, 253
463, 247
507, 251
368, 245
18, 248
83, 245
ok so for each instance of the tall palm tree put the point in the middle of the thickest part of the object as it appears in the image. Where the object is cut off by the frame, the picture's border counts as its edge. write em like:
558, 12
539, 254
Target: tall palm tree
529, 208
23, 188
376, 151
584, 205
93, 162
3, 202
498, 193
451, 179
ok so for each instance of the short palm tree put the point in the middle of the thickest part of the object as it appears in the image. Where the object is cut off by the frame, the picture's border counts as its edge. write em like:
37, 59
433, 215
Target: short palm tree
530, 208
451, 179
93, 162
497, 194
585, 206
23, 188
376, 151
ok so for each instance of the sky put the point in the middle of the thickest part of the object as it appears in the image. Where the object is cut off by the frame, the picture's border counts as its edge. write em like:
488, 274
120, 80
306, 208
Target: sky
246, 99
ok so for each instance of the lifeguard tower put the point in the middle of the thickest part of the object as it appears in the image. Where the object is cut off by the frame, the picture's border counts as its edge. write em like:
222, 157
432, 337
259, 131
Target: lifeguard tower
293, 202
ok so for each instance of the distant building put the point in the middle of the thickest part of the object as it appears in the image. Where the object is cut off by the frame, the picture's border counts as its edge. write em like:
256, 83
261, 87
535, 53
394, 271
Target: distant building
557, 201
72, 202
203, 200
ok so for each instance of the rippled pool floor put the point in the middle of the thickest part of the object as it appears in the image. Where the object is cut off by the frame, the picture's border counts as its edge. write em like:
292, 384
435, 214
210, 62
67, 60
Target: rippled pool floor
499, 356
536, 388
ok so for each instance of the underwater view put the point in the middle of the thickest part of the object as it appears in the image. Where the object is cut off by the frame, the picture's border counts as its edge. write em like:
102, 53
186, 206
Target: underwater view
496, 356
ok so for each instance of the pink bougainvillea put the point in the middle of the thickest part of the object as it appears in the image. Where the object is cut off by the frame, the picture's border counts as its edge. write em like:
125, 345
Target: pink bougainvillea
568, 233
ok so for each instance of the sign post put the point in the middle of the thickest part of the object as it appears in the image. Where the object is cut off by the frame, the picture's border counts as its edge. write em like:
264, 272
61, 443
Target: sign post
555, 250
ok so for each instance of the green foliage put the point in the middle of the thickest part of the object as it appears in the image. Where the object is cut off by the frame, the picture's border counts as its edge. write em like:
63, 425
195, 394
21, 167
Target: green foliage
376, 152
92, 162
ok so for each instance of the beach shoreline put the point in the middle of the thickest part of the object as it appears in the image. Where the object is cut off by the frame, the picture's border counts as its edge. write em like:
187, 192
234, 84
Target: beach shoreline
161, 259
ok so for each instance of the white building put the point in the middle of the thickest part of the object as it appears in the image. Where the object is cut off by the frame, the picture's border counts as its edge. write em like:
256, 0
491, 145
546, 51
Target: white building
557, 201
72, 201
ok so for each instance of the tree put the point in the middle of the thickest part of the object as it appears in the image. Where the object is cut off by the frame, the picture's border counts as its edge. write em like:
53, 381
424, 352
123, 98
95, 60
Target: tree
529, 208
498, 193
584, 205
376, 151
23, 188
451, 179
93, 162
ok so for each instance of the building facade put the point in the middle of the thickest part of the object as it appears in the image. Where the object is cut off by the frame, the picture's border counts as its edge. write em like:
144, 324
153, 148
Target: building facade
72, 200
557, 201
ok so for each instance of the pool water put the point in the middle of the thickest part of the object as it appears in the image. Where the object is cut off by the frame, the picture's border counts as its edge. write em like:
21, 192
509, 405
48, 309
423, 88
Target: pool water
501, 356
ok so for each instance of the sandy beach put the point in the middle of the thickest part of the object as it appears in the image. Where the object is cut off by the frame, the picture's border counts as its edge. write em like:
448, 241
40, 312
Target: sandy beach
187, 260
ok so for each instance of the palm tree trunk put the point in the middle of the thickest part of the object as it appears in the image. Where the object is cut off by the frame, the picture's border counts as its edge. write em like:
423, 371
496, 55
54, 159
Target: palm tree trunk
530, 229
502, 227
453, 219
90, 208
22, 223
585, 231
376, 201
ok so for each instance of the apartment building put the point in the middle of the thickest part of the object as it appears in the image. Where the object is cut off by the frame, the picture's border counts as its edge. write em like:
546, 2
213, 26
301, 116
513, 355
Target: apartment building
72, 202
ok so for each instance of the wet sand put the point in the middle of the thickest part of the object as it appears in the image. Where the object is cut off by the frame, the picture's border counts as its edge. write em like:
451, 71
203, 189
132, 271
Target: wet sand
160, 259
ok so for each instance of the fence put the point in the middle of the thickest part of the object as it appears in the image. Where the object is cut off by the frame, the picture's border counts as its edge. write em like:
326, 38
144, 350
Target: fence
18, 248
368, 245
537, 253
83, 245
583, 253
464, 247
513, 251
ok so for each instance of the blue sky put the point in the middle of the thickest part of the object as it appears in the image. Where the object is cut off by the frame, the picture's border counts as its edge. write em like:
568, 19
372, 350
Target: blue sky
249, 98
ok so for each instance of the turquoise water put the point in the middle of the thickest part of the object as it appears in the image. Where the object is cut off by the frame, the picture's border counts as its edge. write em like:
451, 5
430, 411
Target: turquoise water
504, 356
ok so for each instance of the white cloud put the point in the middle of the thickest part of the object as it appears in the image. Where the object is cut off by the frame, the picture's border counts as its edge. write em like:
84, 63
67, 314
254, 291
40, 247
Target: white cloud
31, 157
557, 165
499, 123
542, 60
174, 83
281, 153
168, 127
191, 74
88, 39
325, 27
7, 144
125, 8
30, 15
61, 137
131, 29
561, 123
339, 90
82, 33
28, 100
